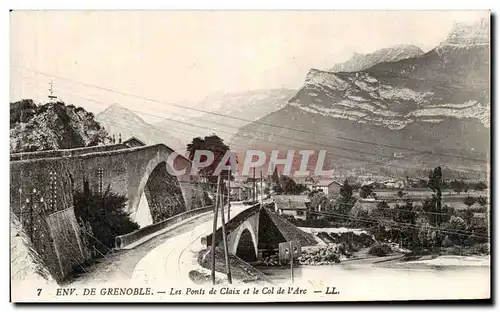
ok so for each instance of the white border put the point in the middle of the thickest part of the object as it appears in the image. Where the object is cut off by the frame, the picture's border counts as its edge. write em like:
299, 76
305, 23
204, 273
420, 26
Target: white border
193, 5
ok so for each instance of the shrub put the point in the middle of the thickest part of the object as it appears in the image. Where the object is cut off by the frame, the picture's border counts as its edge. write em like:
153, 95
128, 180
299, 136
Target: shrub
106, 215
447, 242
312, 223
380, 250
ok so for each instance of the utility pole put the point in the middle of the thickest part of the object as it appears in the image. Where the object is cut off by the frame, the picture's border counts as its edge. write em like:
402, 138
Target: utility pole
254, 187
224, 240
261, 191
229, 195
216, 209
291, 262
52, 97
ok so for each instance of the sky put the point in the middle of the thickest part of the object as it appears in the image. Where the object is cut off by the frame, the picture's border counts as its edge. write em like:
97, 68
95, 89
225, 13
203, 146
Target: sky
184, 56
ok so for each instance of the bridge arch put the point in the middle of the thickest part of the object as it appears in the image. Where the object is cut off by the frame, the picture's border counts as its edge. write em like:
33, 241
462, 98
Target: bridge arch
245, 246
158, 194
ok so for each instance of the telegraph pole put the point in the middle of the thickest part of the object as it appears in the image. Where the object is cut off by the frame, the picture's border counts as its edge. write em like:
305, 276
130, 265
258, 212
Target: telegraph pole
261, 191
216, 208
52, 97
254, 187
224, 240
229, 195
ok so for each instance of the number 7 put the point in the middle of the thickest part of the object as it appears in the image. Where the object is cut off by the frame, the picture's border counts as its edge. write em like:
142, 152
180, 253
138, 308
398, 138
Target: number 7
39, 291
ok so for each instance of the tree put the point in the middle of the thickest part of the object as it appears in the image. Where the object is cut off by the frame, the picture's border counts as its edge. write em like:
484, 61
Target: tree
457, 186
319, 201
447, 212
480, 186
277, 189
456, 230
426, 233
214, 144
429, 208
365, 191
400, 194
482, 201
469, 201
346, 191
383, 210
422, 183
436, 184
289, 186
275, 177
468, 214
406, 213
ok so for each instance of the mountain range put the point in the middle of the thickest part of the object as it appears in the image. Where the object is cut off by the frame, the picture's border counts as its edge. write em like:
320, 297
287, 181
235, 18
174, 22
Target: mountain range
419, 108
363, 61
229, 112
120, 121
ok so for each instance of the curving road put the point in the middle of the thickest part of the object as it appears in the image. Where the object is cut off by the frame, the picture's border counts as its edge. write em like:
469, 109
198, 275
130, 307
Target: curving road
171, 262
167, 256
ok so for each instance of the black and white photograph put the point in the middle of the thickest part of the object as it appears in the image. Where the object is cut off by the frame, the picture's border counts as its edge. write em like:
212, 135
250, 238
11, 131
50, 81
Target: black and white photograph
249, 156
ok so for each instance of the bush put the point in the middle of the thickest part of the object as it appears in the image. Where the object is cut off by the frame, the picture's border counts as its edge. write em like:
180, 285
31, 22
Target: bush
106, 215
312, 223
447, 242
320, 256
480, 249
380, 250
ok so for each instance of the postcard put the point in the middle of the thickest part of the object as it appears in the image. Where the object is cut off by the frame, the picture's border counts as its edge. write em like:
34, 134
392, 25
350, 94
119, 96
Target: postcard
249, 156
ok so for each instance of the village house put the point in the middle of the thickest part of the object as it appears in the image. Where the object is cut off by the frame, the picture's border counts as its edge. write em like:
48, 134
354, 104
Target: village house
292, 205
133, 142
479, 219
393, 183
240, 192
329, 187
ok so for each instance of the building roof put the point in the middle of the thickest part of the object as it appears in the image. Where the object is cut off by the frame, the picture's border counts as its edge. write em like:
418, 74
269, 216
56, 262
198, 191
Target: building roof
327, 183
479, 215
291, 202
289, 231
133, 139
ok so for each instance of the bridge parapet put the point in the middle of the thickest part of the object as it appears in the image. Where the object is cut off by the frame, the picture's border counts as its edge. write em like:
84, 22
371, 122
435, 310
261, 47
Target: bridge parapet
141, 235
233, 224
66, 152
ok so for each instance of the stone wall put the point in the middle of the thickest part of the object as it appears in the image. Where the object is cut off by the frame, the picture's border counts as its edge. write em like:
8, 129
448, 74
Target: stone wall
129, 172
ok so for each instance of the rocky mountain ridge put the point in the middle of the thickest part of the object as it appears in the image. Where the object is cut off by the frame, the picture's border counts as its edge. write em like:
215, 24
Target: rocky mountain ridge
435, 102
362, 61
118, 120
239, 106
52, 126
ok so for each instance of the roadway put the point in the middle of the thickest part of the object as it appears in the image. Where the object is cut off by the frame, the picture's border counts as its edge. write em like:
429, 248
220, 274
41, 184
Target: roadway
168, 256
177, 256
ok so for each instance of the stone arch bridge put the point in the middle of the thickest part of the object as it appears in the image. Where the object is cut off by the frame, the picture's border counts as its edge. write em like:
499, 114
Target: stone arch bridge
55, 175
133, 172
255, 230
